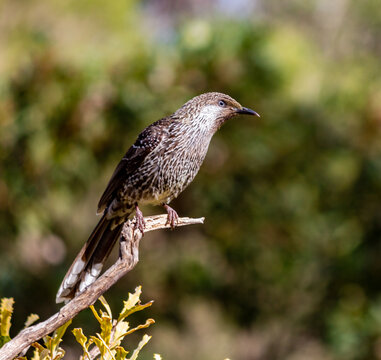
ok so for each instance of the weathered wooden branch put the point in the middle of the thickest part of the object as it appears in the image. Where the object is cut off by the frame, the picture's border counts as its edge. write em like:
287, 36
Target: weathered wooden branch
128, 258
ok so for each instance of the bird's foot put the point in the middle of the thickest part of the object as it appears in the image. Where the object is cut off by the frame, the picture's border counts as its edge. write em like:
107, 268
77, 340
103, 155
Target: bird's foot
172, 218
140, 222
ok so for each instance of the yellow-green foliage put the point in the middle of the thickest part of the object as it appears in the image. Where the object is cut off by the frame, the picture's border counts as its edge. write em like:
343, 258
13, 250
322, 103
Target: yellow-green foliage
6, 311
113, 331
51, 349
105, 345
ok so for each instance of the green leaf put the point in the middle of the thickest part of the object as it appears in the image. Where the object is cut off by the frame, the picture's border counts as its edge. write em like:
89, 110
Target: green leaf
144, 341
59, 333
3, 340
133, 299
44, 354
96, 314
38, 347
120, 328
105, 305
121, 353
99, 344
148, 323
106, 347
36, 355
60, 354
106, 327
127, 312
80, 337
111, 349
32, 318
41, 353
6, 310
47, 341
104, 319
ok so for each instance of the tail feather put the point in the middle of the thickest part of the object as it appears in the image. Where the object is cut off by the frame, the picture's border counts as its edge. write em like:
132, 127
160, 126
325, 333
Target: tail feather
89, 262
100, 255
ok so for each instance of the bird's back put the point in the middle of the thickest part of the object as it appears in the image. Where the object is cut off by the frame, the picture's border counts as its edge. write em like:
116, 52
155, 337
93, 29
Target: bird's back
169, 167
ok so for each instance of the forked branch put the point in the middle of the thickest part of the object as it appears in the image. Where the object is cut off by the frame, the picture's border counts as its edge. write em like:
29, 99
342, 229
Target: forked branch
128, 258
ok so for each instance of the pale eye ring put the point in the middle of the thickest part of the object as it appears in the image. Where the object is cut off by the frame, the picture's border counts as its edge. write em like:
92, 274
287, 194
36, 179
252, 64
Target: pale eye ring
221, 103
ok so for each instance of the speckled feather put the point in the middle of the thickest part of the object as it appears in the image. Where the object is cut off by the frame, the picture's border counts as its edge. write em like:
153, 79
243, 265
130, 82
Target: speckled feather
161, 163
164, 159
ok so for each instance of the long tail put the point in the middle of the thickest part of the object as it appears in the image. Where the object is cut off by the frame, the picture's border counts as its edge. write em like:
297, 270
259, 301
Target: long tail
89, 262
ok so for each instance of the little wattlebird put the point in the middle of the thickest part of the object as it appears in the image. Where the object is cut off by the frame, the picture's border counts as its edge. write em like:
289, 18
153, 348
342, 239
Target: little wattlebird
161, 163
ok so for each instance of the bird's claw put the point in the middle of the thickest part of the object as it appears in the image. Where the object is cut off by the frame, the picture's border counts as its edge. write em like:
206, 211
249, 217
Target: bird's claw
172, 218
140, 223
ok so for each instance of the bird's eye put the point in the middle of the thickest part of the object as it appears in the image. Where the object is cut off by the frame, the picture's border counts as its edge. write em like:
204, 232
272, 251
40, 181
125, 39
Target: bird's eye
222, 103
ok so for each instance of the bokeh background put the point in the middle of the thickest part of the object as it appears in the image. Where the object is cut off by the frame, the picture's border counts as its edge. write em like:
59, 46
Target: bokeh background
288, 263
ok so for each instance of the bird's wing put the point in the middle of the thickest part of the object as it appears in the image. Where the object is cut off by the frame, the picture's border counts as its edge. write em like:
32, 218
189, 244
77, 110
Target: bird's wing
146, 142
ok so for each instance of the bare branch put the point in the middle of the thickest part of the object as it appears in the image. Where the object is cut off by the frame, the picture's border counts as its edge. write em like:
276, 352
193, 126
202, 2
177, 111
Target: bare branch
129, 257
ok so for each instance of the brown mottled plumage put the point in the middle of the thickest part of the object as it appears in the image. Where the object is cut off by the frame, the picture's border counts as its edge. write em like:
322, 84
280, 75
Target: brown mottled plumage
164, 159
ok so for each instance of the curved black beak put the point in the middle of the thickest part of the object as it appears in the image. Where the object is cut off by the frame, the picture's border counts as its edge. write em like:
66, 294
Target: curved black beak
247, 111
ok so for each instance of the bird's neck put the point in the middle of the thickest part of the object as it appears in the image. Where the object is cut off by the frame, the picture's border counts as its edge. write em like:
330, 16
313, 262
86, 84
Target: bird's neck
209, 120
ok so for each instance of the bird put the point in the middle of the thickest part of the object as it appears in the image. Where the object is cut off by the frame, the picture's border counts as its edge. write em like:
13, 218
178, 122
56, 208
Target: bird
162, 162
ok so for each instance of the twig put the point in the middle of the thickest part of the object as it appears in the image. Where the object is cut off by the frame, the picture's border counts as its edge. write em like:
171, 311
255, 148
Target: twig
128, 258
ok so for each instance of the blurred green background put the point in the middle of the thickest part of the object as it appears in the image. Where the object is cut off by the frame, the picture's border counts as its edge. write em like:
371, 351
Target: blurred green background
288, 263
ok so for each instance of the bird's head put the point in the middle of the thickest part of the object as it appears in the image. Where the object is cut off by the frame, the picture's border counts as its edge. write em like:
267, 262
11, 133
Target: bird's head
211, 110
